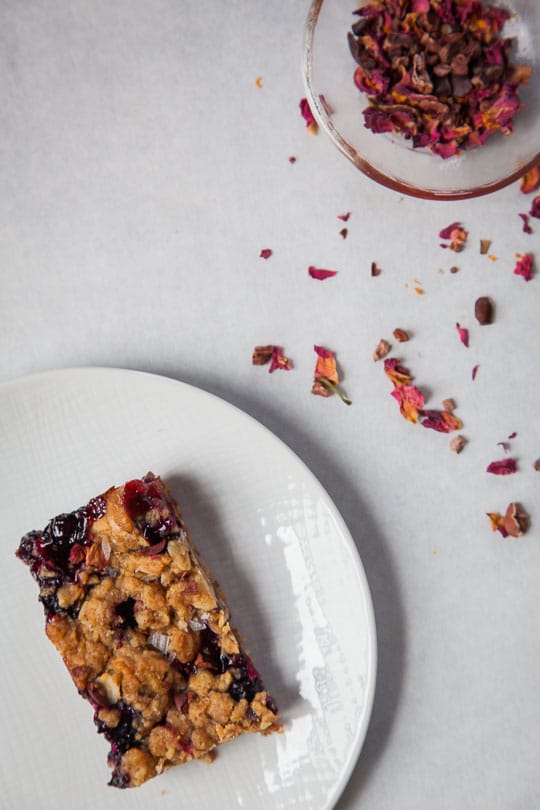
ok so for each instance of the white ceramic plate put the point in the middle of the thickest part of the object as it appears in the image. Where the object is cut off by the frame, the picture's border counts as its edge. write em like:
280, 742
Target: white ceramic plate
271, 535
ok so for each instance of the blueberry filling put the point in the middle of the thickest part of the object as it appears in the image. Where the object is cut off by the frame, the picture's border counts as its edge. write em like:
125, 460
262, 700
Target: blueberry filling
118, 778
149, 508
248, 683
211, 652
55, 554
122, 736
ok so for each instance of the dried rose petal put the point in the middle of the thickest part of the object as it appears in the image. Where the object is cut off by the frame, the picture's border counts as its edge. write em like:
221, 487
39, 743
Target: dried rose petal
265, 253
292, 159
530, 180
326, 364
308, 116
441, 421
505, 446
449, 405
513, 435
375, 271
507, 466
401, 335
497, 523
411, 401
536, 465
319, 389
264, 354
436, 71
397, 373
535, 208
279, 361
344, 217
454, 269
343, 232
526, 226
457, 444
516, 520
524, 267
321, 274
381, 349
457, 235
474, 372
463, 335
326, 377
485, 245
446, 233
258, 82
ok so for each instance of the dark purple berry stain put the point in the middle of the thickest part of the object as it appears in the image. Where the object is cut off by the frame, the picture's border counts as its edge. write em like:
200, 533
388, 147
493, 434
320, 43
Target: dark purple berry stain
146, 502
248, 683
212, 653
55, 554
122, 736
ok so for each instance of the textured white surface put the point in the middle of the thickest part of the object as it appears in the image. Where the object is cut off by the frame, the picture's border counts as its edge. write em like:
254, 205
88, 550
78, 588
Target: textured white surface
142, 172
269, 533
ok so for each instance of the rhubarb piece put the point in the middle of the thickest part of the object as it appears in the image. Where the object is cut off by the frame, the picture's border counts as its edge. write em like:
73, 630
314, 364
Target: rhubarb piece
144, 631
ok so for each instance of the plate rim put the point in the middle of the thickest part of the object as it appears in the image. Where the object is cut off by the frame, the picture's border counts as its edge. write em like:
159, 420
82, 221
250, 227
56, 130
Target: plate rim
370, 683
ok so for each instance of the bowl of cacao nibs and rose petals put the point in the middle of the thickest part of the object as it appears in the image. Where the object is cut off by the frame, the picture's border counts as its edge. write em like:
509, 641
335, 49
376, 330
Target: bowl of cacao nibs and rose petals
438, 99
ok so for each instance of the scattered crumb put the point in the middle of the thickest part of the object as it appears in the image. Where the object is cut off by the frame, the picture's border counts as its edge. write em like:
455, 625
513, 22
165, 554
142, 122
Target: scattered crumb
485, 245
381, 349
258, 82
457, 444
401, 335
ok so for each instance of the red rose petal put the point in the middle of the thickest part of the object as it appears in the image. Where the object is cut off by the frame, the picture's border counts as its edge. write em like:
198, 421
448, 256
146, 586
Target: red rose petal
278, 360
526, 227
308, 116
265, 253
507, 466
535, 208
524, 267
463, 335
320, 274
446, 233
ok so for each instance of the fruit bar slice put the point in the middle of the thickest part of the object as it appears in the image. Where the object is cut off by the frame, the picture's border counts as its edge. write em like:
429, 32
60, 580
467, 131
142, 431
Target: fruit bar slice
144, 632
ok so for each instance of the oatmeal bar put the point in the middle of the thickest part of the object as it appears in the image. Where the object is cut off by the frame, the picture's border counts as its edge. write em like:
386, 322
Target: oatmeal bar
144, 632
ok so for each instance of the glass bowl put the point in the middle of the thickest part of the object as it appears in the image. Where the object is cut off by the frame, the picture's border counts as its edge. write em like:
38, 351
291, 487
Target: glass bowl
328, 70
